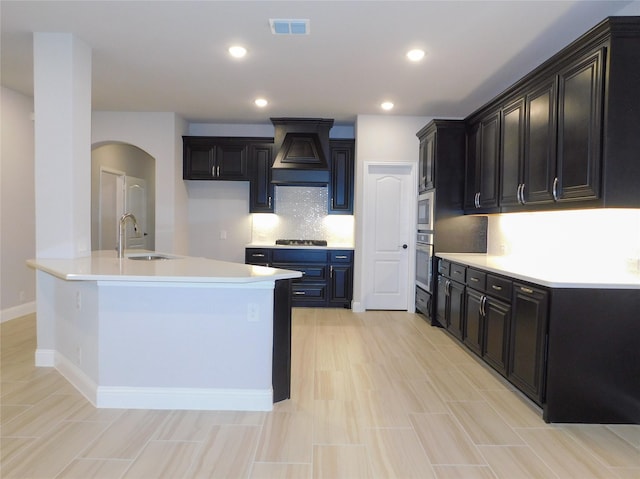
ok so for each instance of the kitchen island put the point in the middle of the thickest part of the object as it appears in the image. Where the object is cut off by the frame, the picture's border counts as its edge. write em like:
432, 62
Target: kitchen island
565, 333
172, 333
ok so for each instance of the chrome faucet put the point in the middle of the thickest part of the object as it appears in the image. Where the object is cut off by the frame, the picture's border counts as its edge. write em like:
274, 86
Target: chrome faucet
121, 228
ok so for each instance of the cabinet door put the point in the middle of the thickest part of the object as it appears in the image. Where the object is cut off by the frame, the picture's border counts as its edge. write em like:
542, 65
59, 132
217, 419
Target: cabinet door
473, 321
512, 153
442, 300
580, 103
340, 285
342, 177
540, 143
427, 162
482, 171
496, 333
231, 161
527, 343
261, 189
455, 322
198, 160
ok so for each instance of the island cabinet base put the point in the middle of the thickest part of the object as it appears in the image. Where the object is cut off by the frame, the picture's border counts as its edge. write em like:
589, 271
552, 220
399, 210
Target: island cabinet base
593, 369
168, 345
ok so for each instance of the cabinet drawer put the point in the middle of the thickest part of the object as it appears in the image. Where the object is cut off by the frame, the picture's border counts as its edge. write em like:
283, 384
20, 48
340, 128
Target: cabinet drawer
458, 272
499, 287
306, 292
340, 256
476, 279
299, 256
443, 267
422, 301
259, 256
310, 272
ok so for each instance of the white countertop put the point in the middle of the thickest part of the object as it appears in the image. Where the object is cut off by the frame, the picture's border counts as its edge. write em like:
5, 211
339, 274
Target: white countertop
290, 246
554, 273
105, 266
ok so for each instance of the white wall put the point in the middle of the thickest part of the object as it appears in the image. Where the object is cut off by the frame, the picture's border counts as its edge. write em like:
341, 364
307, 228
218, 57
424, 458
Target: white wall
17, 205
384, 139
160, 135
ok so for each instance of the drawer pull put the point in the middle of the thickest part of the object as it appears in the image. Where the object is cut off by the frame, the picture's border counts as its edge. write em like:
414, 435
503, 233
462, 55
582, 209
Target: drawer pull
497, 288
257, 255
526, 290
299, 293
475, 280
341, 257
457, 272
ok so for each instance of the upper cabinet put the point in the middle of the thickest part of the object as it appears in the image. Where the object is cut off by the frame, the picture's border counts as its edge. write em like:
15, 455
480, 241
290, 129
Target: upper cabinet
342, 177
261, 189
566, 133
206, 158
426, 161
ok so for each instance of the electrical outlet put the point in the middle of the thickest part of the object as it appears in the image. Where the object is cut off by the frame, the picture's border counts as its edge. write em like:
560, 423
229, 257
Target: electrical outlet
253, 313
223, 234
21, 296
79, 355
78, 300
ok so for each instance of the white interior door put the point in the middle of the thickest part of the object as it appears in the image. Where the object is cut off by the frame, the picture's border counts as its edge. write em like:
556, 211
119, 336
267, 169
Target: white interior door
136, 203
388, 229
110, 207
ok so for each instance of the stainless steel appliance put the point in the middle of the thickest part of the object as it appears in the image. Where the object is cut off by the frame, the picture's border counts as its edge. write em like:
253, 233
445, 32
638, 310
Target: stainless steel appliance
425, 211
424, 272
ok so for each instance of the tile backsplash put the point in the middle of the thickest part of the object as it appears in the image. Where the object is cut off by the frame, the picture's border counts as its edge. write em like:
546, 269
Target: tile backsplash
301, 213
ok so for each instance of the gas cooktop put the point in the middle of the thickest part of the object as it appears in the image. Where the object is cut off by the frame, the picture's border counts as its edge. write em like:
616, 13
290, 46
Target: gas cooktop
301, 242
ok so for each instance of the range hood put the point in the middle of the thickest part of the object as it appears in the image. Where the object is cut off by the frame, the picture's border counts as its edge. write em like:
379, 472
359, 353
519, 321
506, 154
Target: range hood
301, 151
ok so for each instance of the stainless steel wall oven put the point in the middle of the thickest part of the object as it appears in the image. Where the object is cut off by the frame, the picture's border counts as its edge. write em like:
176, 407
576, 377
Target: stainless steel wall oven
424, 272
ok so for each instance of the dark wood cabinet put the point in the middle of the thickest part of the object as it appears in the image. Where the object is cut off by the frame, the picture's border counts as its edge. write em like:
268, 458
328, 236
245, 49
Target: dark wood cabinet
341, 186
442, 296
474, 320
540, 143
426, 160
580, 103
497, 319
483, 165
512, 153
455, 324
327, 274
207, 158
340, 278
567, 132
261, 189
528, 335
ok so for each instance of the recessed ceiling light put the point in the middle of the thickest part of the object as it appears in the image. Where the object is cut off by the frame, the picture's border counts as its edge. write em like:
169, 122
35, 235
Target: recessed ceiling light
415, 55
387, 105
261, 102
237, 51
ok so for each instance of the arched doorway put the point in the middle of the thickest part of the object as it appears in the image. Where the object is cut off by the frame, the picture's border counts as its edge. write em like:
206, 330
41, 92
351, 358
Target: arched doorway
122, 180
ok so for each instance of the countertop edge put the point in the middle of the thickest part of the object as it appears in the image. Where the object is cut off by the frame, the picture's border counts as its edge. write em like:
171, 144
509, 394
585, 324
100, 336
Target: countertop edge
620, 280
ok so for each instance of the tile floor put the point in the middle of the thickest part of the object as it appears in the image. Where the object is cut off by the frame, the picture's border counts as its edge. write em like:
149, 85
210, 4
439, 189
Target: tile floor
375, 395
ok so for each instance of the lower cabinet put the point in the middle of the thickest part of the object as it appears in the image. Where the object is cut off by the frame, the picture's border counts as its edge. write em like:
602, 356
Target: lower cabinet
502, 321
527, 340
327, 275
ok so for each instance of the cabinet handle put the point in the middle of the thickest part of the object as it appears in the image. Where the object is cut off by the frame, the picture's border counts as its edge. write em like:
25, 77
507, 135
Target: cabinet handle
526, 290
213, 171
483, 302
497, 288
299, 293
341, 256
331, 271
257, 255
522, 194
269, 201
477, 200
333, 205
475, 280
554, 189
457, 272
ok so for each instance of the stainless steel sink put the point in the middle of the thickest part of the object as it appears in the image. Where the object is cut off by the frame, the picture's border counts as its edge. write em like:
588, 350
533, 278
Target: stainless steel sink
149, 257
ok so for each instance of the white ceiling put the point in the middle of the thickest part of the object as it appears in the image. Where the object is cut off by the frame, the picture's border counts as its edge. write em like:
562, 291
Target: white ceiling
172, 55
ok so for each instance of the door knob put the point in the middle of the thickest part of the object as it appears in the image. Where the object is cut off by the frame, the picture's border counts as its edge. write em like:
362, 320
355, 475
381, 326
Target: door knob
404, 246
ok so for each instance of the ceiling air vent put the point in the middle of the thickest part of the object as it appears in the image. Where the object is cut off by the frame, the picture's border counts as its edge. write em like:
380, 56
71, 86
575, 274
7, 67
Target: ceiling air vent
289, 26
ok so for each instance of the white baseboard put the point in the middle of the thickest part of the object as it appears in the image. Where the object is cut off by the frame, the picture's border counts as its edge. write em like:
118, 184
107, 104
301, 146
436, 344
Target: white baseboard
184, 398
17, 311
117, 397
357, 307
45, 358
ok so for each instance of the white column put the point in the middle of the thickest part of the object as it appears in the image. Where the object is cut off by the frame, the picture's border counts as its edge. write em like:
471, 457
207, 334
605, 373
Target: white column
62, 100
